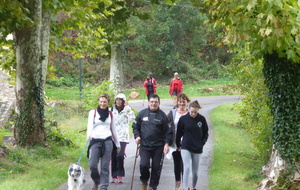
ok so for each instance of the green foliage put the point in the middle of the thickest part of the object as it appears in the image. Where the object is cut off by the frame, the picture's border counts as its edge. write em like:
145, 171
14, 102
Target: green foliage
55, 136
61, 81
174, 39
8, 58
272, 28
258, 22
13, 16
255, 107
284, 90
91, 94
65, 70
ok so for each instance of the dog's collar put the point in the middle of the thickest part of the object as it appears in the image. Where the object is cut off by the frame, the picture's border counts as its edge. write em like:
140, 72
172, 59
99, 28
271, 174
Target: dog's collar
75, 180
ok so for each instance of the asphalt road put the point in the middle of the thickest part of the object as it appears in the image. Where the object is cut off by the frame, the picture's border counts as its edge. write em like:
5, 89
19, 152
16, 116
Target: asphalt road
167, 180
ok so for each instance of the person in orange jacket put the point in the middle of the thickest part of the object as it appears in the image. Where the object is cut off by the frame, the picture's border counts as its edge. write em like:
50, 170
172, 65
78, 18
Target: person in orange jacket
150, 85
176, 87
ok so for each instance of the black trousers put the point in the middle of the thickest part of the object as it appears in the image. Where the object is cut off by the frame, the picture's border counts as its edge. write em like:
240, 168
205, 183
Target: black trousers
178, 165
157, 157
117, 161
149, 94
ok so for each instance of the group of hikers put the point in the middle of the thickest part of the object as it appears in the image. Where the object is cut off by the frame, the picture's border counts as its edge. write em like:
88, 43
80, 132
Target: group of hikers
183, 130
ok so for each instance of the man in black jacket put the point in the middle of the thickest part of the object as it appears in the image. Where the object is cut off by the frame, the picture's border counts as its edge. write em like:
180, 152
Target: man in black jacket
151, 130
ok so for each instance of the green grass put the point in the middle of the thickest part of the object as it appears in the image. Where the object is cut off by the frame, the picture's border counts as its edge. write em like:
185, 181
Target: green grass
32, 168
220, 87
62, 93
235, 164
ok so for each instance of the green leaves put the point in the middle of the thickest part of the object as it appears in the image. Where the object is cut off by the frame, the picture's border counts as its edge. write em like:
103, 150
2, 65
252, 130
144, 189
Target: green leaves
285, 100
91, 94
254, 108
272, 26
175, 39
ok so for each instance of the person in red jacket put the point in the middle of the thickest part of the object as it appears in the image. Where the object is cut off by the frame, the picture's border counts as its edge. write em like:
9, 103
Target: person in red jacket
176, 87
150, 85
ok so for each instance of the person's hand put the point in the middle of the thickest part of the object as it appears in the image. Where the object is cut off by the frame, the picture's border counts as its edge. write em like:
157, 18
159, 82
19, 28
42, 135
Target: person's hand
179, 149
118, 150
138, 140
89, 138
126, 103
166, 148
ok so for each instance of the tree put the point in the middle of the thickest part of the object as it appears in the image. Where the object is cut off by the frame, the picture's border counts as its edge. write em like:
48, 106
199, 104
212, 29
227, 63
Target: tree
30, 121
272, 29
117, 28
175, 38
30, 23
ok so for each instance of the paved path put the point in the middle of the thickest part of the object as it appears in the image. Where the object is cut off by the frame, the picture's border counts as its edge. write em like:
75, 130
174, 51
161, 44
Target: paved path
167, 179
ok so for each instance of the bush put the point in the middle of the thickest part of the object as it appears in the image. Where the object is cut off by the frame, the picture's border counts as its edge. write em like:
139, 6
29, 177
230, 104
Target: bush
91, 94
58, 82
254, 108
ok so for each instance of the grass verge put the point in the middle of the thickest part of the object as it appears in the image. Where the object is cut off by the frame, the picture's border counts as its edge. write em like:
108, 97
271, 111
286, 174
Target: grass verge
33, 168
235, 163
213, 87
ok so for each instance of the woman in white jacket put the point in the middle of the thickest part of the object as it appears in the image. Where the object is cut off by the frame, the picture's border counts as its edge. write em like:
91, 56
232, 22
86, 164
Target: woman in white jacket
101, 132
122, 115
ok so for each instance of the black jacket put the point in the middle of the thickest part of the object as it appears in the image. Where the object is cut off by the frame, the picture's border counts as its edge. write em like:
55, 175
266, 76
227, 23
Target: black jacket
194, 132
153, 128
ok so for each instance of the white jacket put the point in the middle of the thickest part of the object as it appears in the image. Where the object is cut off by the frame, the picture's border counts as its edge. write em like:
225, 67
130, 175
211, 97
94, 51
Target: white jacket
121, 121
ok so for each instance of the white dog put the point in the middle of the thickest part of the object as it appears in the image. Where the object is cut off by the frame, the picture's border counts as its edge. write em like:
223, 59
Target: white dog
76, 174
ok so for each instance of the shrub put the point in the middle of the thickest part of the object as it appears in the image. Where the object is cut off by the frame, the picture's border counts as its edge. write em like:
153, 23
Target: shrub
91, 94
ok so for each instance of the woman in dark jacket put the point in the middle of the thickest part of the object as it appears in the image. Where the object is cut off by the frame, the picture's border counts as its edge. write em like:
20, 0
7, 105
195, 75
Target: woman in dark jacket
194, 130
150, 85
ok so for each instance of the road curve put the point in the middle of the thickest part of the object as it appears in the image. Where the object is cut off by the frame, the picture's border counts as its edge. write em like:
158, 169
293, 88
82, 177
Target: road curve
167, 179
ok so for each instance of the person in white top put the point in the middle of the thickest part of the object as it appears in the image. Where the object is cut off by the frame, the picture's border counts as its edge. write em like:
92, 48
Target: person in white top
173, 116
122, 114
101, 132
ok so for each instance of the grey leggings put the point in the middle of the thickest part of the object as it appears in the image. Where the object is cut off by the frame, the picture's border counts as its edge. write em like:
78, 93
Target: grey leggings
188, 158
100, 177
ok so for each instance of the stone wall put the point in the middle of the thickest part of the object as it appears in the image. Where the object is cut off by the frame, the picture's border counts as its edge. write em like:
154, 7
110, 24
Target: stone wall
7, 99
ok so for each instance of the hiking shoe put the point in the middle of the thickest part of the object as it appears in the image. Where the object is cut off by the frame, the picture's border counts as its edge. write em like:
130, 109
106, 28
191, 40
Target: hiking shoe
144, 186
177, 185
150, 188
114, 180
95, 187
120, 179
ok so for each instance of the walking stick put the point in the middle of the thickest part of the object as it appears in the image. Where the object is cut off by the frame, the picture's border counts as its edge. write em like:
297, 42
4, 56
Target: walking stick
144, 99
136, 155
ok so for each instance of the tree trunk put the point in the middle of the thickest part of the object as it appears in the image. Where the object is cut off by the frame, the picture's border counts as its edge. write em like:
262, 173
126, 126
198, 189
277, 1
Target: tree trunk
283, 78
29, 126
45, 37
116, 67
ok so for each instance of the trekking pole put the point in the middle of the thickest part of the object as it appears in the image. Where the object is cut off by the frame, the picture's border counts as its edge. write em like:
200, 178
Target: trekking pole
136, 155
144, 99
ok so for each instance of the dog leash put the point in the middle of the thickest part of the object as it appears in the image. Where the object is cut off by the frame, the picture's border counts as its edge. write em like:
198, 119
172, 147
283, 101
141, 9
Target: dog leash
86, 145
